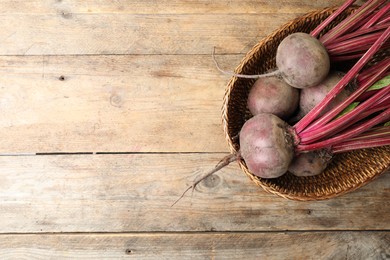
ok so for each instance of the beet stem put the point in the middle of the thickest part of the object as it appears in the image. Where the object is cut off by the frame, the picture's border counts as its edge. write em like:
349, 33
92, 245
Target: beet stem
309, 117
363, 86
352, 132
369, 72
376, 132
357, 33
359, 24
330, 18
377, 108
344, 57
364, 11
335, 125
385, 20
223, 163
361, 144
360, 43
376, 16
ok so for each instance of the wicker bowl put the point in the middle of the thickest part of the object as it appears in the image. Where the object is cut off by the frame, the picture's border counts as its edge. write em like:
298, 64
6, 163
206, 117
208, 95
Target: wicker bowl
347, 171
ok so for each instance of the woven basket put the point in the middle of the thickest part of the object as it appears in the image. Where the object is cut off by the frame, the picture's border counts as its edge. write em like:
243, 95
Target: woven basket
346, 172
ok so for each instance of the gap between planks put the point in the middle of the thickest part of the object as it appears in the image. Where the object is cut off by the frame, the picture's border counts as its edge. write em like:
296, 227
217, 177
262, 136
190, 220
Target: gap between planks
243, 232
102, 153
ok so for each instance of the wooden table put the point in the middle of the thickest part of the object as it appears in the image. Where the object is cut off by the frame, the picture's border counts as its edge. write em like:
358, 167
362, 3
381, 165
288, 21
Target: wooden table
109, 109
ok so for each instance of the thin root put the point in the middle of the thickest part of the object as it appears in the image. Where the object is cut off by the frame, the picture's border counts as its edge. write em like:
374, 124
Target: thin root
270, 74
221, 164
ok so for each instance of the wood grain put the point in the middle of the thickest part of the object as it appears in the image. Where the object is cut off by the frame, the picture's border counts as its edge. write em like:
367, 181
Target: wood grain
136, 77
131, 103
69, 33
295, 245
161, 7
134, 192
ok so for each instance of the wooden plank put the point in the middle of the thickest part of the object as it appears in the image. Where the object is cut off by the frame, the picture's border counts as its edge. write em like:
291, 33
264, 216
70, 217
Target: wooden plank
291, 245
68, 33
162, 6
156, 103
134, 192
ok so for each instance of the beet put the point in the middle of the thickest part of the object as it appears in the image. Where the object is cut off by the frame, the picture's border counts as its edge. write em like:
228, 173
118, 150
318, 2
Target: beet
273, 95
266, 145
302, 60
310, 163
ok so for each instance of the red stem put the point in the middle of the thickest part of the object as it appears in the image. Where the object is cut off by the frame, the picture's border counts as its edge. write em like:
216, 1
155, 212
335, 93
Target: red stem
309, 117
364, 11
376, 132
351, 44
362, 87
362, 22
367, 94
335, 125
382, 103
382, 11
361, 144
380, 106
330, 18
359, 32
360, 43
352, 132
340, 58
355, 55
369, 72
385, 20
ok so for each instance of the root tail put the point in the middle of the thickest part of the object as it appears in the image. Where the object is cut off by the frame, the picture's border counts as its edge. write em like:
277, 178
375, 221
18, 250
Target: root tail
221, 164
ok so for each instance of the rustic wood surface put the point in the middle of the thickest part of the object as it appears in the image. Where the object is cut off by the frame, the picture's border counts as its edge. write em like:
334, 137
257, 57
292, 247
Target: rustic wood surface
109, 109
241, 245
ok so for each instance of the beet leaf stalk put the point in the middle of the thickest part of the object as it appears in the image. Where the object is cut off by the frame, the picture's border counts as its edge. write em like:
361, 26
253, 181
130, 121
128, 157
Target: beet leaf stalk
330, 19
376, 132
362, 12
351, 74
356, 44
360, 144
375, 138
377, 16
366, 74
357, 33
350, 133
316, 130
366, 83
353, 39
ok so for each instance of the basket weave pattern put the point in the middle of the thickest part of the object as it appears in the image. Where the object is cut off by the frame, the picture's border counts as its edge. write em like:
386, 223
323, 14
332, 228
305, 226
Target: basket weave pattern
346, 172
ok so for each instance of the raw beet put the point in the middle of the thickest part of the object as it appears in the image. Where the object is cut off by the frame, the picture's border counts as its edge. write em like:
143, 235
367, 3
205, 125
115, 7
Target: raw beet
310, 163
302, 60
273, 95
266, 145
310, 97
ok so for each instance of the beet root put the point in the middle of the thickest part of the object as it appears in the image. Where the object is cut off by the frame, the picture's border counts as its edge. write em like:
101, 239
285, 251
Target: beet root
266, 145
302, 60
310, 163
310, 97
273, 95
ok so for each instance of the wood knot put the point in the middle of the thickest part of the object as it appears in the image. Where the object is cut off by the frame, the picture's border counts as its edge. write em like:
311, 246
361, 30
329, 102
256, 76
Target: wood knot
115, 100
66, 14
212, 181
